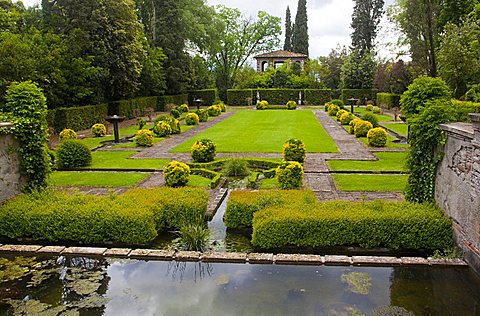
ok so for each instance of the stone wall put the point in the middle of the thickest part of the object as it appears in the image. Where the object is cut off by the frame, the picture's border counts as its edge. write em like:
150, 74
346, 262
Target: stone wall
10, 179
457, 189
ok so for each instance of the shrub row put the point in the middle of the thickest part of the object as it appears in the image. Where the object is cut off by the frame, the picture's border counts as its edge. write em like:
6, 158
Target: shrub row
317, 96
377, 224
243, 204
132, 218
252, 163
208, 96
77, 118
239, 96
278, 96
163, 100
360, 94
388, 100
126, 107
214, 177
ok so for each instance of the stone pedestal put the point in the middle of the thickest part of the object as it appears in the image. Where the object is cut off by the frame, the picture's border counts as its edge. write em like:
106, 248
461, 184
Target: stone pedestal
11, 181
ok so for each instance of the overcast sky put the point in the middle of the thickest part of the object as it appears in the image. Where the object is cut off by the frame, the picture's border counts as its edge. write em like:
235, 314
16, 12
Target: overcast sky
328, 21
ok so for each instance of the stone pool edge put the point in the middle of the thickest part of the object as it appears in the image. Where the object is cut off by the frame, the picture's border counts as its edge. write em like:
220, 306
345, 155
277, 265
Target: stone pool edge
231, 257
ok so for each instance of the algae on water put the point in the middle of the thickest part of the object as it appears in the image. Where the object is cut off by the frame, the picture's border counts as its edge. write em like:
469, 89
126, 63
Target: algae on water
358, 282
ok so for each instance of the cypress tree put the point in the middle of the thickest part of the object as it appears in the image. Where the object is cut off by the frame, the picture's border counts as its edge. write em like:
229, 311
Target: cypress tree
300, 29
365, 19
288, 32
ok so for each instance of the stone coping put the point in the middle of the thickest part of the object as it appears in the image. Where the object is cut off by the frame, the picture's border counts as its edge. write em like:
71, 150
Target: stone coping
6, 124
231, 257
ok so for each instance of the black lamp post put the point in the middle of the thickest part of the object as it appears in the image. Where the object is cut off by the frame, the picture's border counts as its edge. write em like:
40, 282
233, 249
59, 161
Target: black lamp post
115, 119
198, 102
352, 102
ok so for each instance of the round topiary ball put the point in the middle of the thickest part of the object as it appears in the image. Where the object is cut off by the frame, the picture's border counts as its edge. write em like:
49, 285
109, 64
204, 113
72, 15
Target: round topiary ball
99, 130
352, 125
221, 105
176, 174
184, 108
192, 119
262, 105
290, 175
333, 109
202, 115
294, 150
144, 138
176, 112
369, 107
203, 150
73, 154
361, 128
67, 134
340, 113
291, 105
372, 118
346, 118
214, 110
377, 137
162, 129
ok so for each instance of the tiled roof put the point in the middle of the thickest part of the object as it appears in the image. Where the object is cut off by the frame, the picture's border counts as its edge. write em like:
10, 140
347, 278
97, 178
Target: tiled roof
281, 54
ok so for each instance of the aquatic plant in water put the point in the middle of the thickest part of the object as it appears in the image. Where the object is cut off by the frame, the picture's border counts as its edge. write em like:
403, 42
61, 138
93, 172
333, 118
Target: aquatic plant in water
358, 282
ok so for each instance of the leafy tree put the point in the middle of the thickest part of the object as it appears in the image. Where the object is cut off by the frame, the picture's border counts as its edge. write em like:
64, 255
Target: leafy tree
300, 29
240, 39
288, 32
392, 77
152, 78
455, 11
459, 55
328, 68
358, 71
365, 19
203, 77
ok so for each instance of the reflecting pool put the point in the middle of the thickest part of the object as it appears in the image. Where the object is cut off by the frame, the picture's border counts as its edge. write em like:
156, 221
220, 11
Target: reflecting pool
87, 286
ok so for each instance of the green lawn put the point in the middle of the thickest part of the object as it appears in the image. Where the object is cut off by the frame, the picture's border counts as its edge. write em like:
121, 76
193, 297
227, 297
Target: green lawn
96, 179
399, 128
361, 111
134, 145
198, 181
388, 161
370, 182
390, 143
271, 183
265, 131
119, 159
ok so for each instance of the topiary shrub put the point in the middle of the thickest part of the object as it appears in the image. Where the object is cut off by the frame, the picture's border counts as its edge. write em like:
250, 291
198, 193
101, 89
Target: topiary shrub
192, 119
67, 134
338, 103
290, 175
361, 128
162, 129
203, 150
340, 113
346, 118
214, 110
99, 130
173, 122
141, 122
294, 150
333, 109
183, 108
372, 118
291, 105
369, 107
221, 105
377, 137
176, 174
262, 105
202, 115
175, 112
352, 125
144, 138
327, 106
73, 154
236, 168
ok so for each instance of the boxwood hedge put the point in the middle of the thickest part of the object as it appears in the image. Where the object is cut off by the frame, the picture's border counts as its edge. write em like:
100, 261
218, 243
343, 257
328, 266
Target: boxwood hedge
377, 224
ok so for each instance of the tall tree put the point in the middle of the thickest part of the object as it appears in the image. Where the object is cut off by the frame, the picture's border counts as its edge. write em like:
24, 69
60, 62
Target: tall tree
358, 71
365, 19
288, 32
300, 29
454, 11
418, 21
330, 67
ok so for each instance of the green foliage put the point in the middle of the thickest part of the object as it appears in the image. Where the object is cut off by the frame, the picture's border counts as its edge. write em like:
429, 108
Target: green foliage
243, 204
388, 100
290, 175
162, 129
424, 139
170, 120
369, 107
346, 118
340, 113
333, 109
352, 125
361, 128
287, 44
176, 174
25, 102
363, 95
208, 96
473, 94
202, 115
203, 150
183, 108
128, 107
300, 29
239, 96
73, 154
77, 118
141, 123
368, 225
422, 90
317, 96
365, 20
144, 138
194, 236
162, 101
214, 110
192, 119
214, 176
294, 150
358, 70
291, 105
236, 168
370, 117
221, 105
152, 77
67, 134
279, 96
262, 105
176, 112
463, 108
99, 130
377, 137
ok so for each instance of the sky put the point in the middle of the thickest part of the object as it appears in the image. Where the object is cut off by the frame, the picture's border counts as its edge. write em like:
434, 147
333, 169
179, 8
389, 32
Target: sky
328, 22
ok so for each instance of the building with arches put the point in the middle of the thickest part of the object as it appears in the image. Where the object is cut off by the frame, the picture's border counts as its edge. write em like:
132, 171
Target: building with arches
278, 58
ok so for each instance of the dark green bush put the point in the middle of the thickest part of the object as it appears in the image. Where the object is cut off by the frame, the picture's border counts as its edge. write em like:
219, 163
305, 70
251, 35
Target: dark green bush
192, 119
338, 103
173, 122
176, 174
363, 95
162, 101
290, 175
127, 107
317, 96
243, 204
73, 154
294, 150
144, 138
279, 96
203, 150
236, 168
208, 96
214, 110
202, 115
388, 100
463, 108
370, 117
77, 118
239, 96
291, 105
270, 173
175, 112
377, 137
328, 224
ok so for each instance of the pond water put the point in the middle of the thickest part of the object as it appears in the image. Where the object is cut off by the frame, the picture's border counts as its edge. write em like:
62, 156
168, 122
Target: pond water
86, 286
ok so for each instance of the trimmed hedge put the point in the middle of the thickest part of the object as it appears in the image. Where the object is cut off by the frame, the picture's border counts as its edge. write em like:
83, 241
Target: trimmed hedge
462, 108
361, 94
77, 118
279, 96
317, 96
239, 96
208, 96
243, 204
177, 99
388, 100
214, 177
126, 107
328, 224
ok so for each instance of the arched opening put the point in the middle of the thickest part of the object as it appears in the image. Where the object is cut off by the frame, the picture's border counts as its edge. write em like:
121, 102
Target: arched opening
264, 66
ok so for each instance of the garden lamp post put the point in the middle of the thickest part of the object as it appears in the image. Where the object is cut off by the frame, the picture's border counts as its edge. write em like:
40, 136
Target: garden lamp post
115, 119
198, 102
352, 102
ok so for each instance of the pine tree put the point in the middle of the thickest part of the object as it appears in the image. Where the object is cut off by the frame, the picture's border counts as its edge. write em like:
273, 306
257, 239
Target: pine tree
288, 32
300, 29
365, 19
